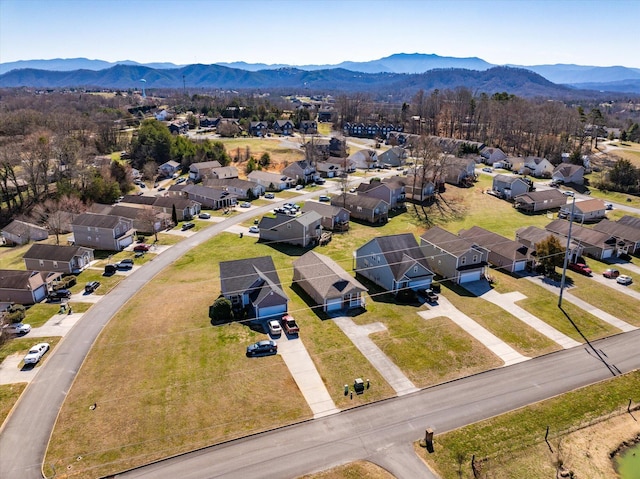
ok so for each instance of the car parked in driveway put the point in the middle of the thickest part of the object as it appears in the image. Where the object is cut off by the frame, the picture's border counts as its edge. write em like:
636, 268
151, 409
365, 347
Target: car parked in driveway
17, 328
624, 279
274, 328
254, 229
580, 268
262, 347
611, 273
269, 196
141, 247
188, 226
246, 204
126, 263
59, 295
204, 216
35, 353
91, 286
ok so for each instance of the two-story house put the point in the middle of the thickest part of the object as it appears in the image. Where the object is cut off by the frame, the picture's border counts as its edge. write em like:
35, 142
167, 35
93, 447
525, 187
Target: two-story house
243, 189
198, 171
105, 232
568, 173
509, 186
393, 157
301, 171
283, 127
452, 257
539, 167
258, 128
505, 254
391, 191
334, 218
394, 262
304, 230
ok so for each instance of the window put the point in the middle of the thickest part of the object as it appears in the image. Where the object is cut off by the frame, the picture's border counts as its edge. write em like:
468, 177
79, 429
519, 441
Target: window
41, 262
55, 264
463, 260
415, 269
475, 258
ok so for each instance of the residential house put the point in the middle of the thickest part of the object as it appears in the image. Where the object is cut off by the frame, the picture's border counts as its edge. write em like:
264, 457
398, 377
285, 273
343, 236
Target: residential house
253, 287
364, 159
136, 200
327, 283
632, 221
459, 171
584, 211
334, 218
324, 115
243, 189
210, 197
345, 164
364, 208
21, 232
104, 232
198, 171
594, 243
568, 173
222, 173
301, 171
416, 188
145, 219
453, 257
168, 168
283, 127
304, 230
23, 287
179, 127
394, 157
394, 262
258, 128
186, 208
337, 147
628, 237
271, 181
539, 167
505, 254
206, 122
391, 191
513, 163
509, 186
64, 259
327, 169
530, 236
308, 127
492, 155
542, 200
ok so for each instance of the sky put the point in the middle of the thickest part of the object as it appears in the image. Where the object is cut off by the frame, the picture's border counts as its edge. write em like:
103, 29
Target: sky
302, 32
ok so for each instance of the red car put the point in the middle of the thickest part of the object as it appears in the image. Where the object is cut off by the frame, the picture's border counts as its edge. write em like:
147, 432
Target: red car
141, 247
580, 268
611, 273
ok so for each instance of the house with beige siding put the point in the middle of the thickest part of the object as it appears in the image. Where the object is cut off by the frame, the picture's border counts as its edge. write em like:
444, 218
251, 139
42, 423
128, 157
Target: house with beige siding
104, 232
24, 287
64, 259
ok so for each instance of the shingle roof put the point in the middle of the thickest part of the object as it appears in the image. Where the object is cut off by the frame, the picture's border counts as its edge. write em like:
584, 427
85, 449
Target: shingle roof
96, 220
620, 230
542, 195
589, 206
401, 252
449, 242
15, 279
239, 276
580, 233
19, 227
494, 242
54, 252
324, 209
325, 276
632, 221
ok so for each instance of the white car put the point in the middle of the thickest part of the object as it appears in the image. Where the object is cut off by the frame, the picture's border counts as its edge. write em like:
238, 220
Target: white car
624, 279
17, 328
35, 353
204, 216
274, 328
254, 229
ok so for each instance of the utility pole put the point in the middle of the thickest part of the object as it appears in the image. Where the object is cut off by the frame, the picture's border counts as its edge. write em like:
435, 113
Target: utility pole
566, 253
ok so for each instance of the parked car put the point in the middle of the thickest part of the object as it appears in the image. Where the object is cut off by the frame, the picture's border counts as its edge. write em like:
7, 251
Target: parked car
568, 193
262, 347
204, 216
289, 324
126, 263
429, 294
162, 188
187, 226
274, 328
246, 204
320, 181
141, 247
17, 328
299, 187
624, 279
180, 180
611, 273
35, 353
270, 196
59, 295
91, 286
254, 229
487, 169
110, 269
580, 268
608, 206
324, 198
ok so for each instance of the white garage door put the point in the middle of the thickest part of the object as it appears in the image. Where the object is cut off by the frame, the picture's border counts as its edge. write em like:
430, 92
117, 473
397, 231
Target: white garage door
272, 311
606, 253
470, 276
519, 266
334, 304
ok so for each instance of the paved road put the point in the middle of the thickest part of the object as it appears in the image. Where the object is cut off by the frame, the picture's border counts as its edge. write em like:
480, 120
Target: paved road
383, 432
25, 434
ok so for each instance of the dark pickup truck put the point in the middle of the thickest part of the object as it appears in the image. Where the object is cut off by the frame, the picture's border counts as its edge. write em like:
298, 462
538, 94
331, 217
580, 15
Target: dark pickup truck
289, 324
430, 295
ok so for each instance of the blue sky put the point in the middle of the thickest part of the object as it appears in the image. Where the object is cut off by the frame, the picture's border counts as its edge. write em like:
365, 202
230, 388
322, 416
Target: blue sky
298, 32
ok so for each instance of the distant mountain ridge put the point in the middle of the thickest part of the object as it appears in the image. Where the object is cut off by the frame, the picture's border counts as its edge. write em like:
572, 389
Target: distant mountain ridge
396, 63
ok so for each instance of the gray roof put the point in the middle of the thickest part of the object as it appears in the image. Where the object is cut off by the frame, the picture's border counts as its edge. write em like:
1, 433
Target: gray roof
15, 279
582, 234
356, 200
619, 230
234, 182
324, 209
138, 199
206, 191
54, 252
205, 165
542, 195
326, 276
169, 201
268, 176
632, 221
401, 252
449, 242
19, 227
239, 276
97, 221
308, 218
496, 243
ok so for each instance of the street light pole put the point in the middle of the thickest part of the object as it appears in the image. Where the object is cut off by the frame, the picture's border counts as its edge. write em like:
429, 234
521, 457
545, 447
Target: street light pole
566, 253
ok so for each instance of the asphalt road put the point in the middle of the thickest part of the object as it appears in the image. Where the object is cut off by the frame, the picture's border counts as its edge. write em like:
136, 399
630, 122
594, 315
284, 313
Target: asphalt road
383, 432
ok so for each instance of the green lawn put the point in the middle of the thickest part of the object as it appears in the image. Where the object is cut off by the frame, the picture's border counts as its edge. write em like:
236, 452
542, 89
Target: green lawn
512, 445
21, 345
9, 394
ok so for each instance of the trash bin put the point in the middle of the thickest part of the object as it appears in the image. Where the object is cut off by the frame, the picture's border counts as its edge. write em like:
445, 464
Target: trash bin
358, 386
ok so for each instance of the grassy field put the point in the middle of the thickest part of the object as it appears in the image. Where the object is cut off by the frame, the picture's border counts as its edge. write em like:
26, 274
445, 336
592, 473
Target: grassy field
512, 445
9, 394
23, 344
354, 470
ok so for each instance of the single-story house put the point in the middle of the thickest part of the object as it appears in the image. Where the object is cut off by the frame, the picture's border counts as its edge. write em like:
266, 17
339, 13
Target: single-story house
21, 232
365, 208
632, 221
595, 243
628, 237
453, 257
271, 181
168, 168
253, 286
394, 262
346, 164
243, 189
505, 254
24, 287
328, 170
209, 197
334, 218
186, 208
303, 230
569, 173
104, 232
530, 236
510, 186
327, 283
584, 211
542, 200
198, 171
64, 259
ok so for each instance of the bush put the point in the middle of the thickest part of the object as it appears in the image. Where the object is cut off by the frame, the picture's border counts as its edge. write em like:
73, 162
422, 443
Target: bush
16, 313
66, 282
220, 311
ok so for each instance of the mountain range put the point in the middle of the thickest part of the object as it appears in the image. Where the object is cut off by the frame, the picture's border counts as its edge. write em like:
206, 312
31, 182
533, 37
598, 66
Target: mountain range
399, 70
